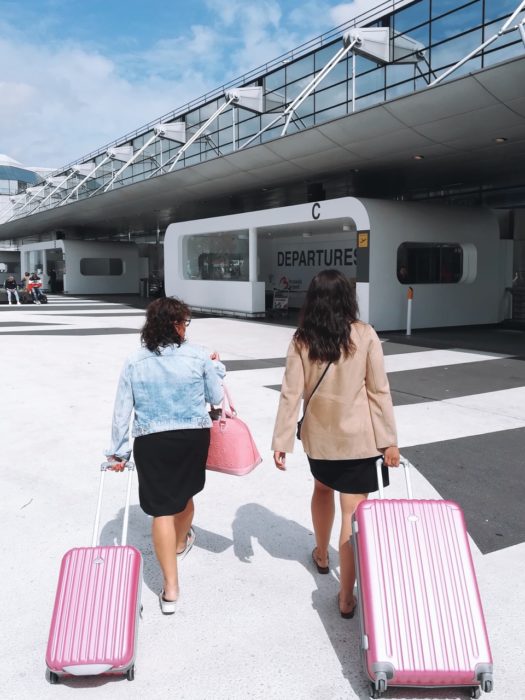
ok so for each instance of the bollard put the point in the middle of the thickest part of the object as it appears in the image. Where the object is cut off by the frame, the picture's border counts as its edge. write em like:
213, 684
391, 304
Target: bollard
410, 296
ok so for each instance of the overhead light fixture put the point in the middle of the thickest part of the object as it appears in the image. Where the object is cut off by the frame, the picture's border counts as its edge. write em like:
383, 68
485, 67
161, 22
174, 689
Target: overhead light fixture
500, 139
418, 157
347, 227
306, 235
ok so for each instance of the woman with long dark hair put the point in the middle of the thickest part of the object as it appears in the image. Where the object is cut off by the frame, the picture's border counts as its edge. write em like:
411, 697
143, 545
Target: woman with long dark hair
166, 386
336, 361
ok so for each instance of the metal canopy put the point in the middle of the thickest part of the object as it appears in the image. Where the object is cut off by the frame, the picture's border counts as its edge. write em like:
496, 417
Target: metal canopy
453, 125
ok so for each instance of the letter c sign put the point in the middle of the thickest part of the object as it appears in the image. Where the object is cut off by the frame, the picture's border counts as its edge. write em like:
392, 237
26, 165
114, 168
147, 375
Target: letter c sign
316, 209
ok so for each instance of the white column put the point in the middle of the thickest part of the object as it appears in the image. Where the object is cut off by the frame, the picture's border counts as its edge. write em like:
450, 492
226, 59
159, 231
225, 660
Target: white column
252, 253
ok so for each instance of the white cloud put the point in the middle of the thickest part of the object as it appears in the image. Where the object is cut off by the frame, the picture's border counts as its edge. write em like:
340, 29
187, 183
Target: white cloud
68, 102
69, 99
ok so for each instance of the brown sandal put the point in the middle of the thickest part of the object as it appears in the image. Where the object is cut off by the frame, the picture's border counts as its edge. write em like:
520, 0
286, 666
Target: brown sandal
320, 569
346, 615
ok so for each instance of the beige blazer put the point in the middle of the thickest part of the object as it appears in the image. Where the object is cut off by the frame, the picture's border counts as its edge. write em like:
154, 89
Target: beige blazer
350, 415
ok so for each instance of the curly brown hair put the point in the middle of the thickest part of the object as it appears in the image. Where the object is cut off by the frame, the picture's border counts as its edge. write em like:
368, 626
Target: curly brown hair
162, 317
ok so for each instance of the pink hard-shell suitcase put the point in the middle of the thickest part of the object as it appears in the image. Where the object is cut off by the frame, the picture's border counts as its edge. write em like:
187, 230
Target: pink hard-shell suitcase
420, 611
97, 605
232, 448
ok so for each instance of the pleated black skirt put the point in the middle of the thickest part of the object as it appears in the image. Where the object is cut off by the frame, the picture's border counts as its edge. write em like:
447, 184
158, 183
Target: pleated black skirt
171, 469
348, 475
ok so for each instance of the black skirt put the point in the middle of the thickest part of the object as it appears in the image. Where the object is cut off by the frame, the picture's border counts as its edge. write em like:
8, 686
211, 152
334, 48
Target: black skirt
348, 475
171, 468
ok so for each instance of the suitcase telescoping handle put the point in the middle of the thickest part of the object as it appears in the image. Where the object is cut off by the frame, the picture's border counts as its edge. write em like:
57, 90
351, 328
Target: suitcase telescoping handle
405, 464
103, 469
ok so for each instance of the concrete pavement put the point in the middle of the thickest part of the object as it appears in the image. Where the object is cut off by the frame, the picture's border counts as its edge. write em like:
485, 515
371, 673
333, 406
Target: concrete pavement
255, 620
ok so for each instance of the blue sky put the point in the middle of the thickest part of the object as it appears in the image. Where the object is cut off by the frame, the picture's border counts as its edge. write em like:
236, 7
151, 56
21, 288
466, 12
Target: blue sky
76, 74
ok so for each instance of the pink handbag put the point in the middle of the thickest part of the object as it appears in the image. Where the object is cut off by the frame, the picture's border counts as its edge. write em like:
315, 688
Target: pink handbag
232, 449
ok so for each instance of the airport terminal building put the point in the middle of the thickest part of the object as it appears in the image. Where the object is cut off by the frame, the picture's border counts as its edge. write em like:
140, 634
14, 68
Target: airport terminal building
390, 148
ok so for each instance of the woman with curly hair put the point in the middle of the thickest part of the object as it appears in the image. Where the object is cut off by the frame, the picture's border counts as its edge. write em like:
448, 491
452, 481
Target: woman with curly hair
166, 386
336, 361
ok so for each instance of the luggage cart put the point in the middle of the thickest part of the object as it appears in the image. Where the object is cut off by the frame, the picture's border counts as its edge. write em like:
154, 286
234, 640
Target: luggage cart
280, 303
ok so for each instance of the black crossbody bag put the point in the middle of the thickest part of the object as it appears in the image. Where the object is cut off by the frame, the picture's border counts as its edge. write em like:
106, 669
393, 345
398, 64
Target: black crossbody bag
299, 423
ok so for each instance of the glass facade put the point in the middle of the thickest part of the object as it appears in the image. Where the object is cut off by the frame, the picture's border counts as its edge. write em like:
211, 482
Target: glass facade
217, 256
429, 263
445, 32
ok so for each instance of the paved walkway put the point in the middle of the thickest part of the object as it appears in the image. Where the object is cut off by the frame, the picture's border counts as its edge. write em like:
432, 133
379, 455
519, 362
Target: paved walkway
255, 620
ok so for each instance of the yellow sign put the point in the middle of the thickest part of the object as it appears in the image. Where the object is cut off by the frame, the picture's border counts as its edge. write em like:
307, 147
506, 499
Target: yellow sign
362, 240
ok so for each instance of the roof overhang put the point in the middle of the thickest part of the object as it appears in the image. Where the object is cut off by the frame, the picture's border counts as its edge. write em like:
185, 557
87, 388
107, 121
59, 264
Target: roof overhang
453, 125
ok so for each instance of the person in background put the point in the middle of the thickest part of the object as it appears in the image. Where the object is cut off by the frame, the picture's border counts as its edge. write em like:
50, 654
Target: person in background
10, 287
348, 423
34, 286
166, 386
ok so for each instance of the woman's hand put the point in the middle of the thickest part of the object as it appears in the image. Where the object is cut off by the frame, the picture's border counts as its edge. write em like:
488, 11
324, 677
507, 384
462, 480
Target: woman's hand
391, 456
280, 460
215, 355
118, 464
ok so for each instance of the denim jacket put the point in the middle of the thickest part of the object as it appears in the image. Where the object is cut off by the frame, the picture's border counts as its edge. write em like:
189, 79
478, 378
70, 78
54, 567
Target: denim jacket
166, 392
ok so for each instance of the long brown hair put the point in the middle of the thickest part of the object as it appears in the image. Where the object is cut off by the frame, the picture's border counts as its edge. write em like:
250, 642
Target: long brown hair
325, 319
160, 330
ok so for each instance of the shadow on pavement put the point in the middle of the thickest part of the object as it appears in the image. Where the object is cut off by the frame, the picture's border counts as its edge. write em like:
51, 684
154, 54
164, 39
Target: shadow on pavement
139, 535
286, 539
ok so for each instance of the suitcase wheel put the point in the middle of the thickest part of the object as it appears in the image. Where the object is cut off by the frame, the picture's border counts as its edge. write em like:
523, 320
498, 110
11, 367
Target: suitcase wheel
130, 673
51, 677
487, 684
475, 692
376, 692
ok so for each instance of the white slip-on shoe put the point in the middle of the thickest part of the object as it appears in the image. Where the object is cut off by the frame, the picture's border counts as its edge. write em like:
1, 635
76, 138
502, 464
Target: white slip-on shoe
167, 607
190, 541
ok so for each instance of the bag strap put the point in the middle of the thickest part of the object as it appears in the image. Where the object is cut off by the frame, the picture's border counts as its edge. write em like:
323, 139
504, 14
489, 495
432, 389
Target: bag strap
226, 400
315, 388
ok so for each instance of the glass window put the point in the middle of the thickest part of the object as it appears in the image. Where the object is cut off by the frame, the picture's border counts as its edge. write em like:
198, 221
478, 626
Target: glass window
429, 263
324, 99
412, 16
248, 127
192, 118
400, 89
322, 56
399, 73
224, 137
499, 9
223, 120
457, 22
275, 100
207, 110
369, 100
504, 39
275, 80
364, 65
101, 266
300, 68
216, 256
441, 7
370, 82
420, 34
336, 75
503, 54
452, 51
333, 113
294, 89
